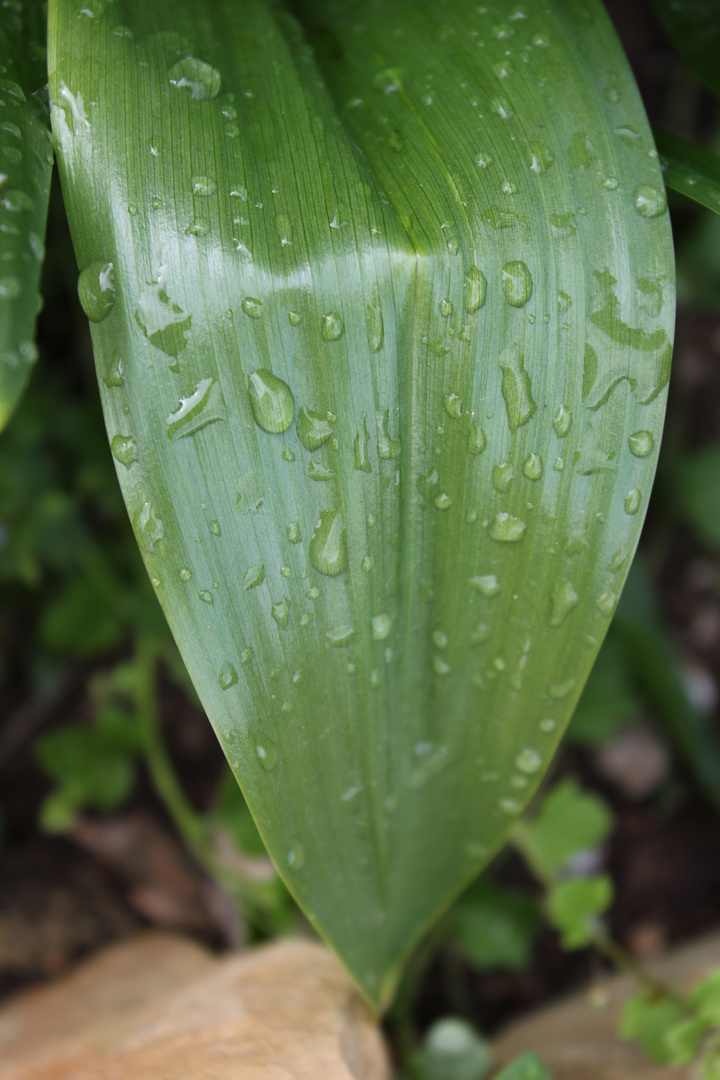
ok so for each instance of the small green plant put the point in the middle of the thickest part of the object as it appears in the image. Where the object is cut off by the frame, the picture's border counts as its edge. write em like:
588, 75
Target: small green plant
382, 305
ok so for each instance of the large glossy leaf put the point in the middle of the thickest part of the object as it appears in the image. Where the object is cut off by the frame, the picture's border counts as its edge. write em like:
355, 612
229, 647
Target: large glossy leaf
382, 302
25, 169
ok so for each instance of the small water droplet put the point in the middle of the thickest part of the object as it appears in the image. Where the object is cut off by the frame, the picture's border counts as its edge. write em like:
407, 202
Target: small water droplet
319, 472
206, 596
202, 408
510, 806
254, 576
252, 307
440, 666
475, 290
340, 637
477, 440
149, 528
517, 283
294, 318
11, 288
443, 501
360, 449
328, 546
547, 725
375, 326
196, 78
633, 500
641, 443
366, 564
381, 626
606, 602
115, 376
203, 186
280, 612
215, 528
440, 639
453, 406
185, 573
446, 308
563, 599
228, 676
649, 201
528, 761
312, 429
533, 467
502, 476
271, 401
387, 447
164, 323
332, 326
96, 290
562, 421
293, 532
124, 449
480, 634
267, 756
507, 529
247, 655
487, 584
516, 387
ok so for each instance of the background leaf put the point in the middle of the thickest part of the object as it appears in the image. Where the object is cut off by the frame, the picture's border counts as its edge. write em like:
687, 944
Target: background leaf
693, 26
383, 327
25, 170
690, 170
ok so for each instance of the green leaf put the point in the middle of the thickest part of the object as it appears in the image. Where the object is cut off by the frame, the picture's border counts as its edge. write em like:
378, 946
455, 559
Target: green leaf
649, 1020
568, 822
25, 170
497, 927
574, 907
689, 169
526, 1067
456, 259
693, 27
697, 492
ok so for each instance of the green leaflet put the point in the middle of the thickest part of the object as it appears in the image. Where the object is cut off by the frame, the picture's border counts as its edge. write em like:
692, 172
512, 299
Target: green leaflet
690, 170
25, 170
383, 303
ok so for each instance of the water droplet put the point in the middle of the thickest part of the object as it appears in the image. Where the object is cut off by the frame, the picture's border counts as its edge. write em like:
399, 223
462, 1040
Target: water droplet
563, 599
267, 756
293, 532
280, 612
533, 467
453, 406
480, 634
633, 500
559, 691
203, 186
228, 677
215, 528
611, 183
271, 401
375, 326
487, 584
312, 429
332, 326
254, 576
510, 806
380, 626
516, 387
196, 78
328, 546
319, 472
440, 639
247, 655
507, 529
477, 440
124, 449
11, 288
295, 856
360, 449
149, 528
649, 201
606, 602
387, 447
203, 407
443, 501
164, 323
517, 283
295, 318
559, 464
252, 307
96, 290
502, 476
115, 376
641, 443
528, 761
340, 637
446, 308
185, 573
366, 564
547, 725
206, 596
539, 158
440, 666
475, 290
562, 421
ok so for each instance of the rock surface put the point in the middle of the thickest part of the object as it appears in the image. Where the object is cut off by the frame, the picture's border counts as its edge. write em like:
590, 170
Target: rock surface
162, 1008
577, 1039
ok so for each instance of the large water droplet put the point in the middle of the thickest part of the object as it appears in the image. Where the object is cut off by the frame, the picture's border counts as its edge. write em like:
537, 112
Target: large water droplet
633, 500
563, 599
280, 612
562, 421
203, 186
477, 440
453, 406
487, 584
203, 407
271, 401
502, 476
533, 467
380, 626
517, 283
387, 447
528, 761
508, 529
196, 78
254, 576
206, 596
267, 756
328, 546
293, 532
649, 201
252, 307
124, 449
96, 290
475, 290
360, 449
516, 387
164, 323
641, 443
185, 573
443, 501
227, 677
332, 326
312, 429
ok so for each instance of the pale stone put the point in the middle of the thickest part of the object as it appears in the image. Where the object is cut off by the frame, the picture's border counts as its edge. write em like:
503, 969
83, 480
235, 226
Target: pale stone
162, 1008
577, 1039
